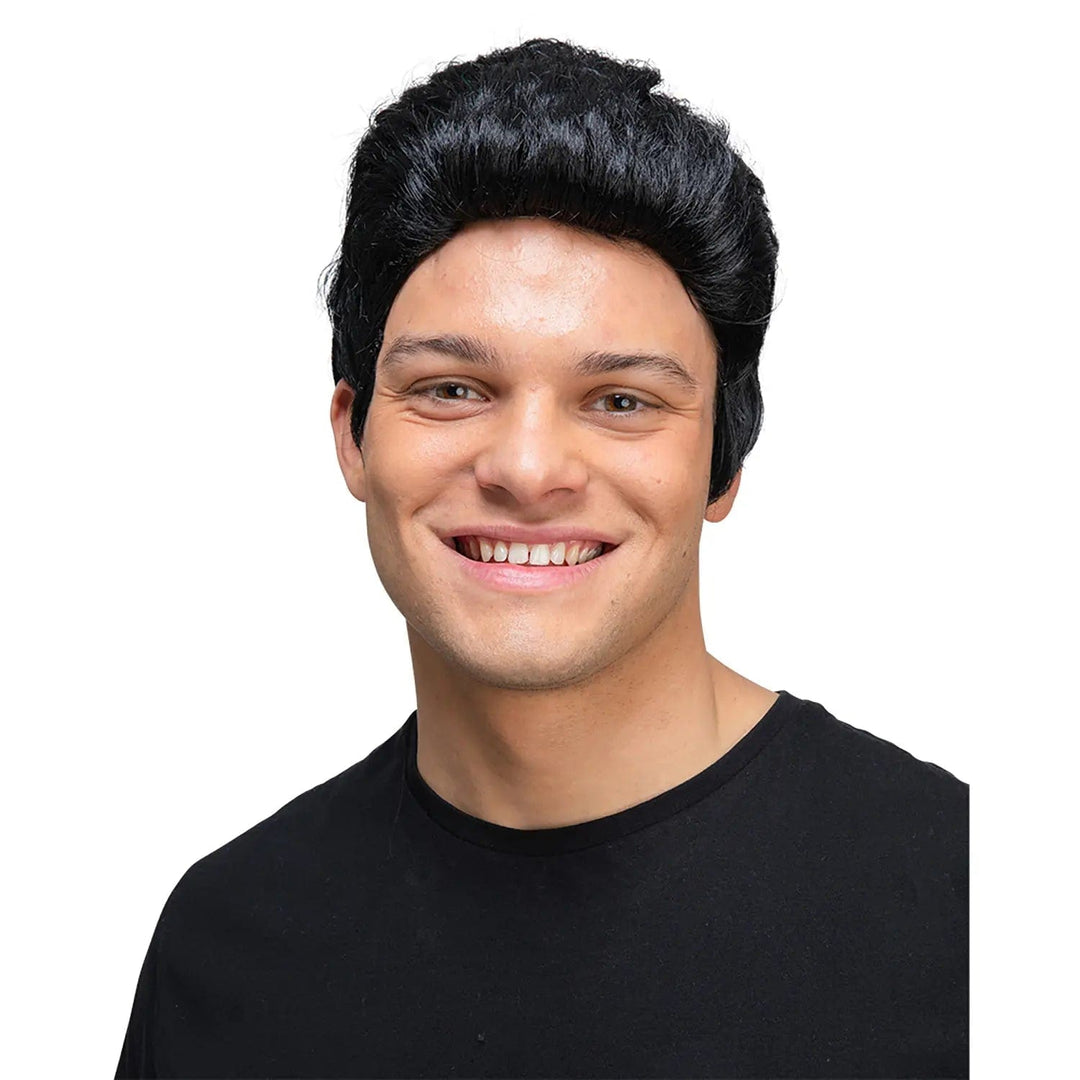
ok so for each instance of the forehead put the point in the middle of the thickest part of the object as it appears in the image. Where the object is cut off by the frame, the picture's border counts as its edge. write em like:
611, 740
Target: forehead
537, 283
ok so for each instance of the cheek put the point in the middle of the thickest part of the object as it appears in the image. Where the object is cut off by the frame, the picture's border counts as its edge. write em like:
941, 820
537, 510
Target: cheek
668, 476
406, 461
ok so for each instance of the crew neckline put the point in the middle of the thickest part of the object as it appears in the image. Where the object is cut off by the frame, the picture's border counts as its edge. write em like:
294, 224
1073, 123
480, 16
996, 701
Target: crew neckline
566, 838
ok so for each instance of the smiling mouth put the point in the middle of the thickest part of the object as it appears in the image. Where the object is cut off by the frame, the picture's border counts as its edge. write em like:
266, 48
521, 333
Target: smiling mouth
514, 553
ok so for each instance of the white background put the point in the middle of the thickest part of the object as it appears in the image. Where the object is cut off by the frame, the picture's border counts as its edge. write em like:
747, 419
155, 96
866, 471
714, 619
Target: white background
193, 631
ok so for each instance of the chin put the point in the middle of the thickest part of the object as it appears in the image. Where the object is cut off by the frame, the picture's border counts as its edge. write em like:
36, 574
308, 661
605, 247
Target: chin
521, 669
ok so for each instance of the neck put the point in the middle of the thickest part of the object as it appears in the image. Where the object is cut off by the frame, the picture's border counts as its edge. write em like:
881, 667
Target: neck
531, 759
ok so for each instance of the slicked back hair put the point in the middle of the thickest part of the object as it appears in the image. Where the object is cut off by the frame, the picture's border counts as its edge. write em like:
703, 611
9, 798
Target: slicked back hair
550, 129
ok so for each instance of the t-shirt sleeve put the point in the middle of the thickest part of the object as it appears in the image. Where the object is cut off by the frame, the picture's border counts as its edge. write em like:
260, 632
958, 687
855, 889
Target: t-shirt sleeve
137, 1055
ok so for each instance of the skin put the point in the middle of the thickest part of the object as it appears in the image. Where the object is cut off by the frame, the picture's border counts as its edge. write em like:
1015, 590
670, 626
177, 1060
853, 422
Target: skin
539, 710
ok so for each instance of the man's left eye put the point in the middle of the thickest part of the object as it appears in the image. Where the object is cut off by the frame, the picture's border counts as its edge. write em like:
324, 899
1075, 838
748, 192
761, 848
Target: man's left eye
624, 403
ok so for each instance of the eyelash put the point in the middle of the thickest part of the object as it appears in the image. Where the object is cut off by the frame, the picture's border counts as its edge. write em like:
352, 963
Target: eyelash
426, 392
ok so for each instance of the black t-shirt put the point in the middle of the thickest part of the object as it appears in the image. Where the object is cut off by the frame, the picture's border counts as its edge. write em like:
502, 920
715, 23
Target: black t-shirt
797, 909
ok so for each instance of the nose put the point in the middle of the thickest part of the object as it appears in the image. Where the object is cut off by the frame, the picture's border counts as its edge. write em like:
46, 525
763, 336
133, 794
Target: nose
530, 452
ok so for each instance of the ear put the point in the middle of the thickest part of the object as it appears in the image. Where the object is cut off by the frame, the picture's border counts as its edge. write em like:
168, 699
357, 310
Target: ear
718, 510
350, 458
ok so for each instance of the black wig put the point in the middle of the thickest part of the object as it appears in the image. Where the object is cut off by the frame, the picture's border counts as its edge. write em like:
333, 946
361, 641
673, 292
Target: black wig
551, 129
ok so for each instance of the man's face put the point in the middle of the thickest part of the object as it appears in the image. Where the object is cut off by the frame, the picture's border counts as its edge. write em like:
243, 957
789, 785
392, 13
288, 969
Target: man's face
508, 436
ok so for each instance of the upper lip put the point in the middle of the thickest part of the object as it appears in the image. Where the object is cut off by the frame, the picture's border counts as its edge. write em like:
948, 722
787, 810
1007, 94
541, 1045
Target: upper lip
534, 534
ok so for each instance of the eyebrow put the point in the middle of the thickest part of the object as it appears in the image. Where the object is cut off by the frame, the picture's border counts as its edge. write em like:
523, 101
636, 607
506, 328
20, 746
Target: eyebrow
474, 351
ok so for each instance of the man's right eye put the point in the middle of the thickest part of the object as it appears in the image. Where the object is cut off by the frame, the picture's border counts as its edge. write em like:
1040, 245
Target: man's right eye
457, 392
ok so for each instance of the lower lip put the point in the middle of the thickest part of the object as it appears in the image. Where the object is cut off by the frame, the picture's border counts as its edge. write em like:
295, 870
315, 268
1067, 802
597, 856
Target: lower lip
511, 577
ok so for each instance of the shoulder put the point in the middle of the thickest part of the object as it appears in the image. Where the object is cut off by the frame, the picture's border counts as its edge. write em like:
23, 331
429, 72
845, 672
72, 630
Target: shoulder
871, 791
289, 853
834, 748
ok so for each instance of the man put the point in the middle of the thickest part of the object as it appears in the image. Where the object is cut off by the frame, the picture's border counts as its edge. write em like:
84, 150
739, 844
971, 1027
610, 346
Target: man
593, 849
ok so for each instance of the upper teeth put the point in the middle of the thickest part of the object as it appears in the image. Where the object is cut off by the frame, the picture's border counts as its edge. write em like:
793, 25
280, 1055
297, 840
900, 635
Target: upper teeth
565, 552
